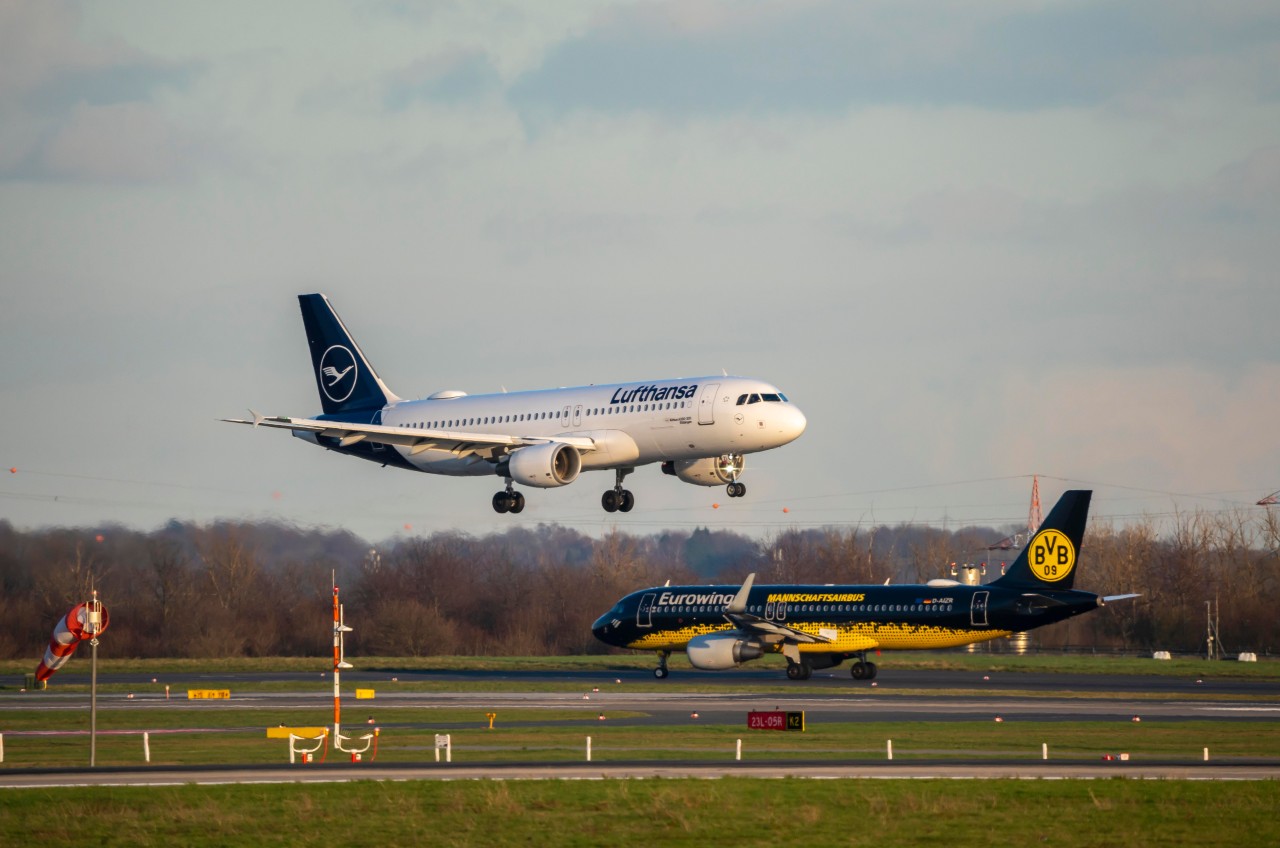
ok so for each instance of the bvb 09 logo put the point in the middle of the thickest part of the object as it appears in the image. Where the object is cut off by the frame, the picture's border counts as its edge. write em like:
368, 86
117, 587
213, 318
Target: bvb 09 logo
1051, 555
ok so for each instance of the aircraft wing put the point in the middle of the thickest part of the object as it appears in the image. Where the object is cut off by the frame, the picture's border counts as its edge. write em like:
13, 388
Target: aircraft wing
772, 631
487, 445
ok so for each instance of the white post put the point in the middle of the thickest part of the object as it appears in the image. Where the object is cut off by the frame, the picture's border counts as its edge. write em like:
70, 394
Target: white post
437, 754
1206, 755
588, 749
146, 746
738, 756
1044, 750
1, 747
448, 748
890, 741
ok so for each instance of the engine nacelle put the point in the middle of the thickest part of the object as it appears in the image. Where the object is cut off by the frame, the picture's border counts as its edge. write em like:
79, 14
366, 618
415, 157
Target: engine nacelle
718, 651
712, 471
544, 466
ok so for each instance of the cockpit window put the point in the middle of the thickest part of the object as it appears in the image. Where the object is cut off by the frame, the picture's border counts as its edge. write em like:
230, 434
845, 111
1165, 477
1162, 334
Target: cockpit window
771, 398
741, 400
754, 399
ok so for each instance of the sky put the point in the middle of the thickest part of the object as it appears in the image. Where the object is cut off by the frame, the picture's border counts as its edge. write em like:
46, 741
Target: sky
972, 242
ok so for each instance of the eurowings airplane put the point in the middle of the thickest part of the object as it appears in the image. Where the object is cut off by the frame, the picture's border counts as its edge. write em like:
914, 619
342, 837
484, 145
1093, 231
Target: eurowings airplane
820, 626
698, 428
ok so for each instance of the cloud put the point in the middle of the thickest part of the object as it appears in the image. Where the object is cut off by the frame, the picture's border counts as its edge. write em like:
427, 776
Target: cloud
832, 56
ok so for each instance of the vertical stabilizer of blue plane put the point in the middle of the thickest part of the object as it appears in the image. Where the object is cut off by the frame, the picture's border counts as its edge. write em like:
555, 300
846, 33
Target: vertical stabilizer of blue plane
1049, 560
346, 380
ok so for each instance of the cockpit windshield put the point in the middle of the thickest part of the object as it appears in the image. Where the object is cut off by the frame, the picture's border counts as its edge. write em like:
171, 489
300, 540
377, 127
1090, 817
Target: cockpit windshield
778, 397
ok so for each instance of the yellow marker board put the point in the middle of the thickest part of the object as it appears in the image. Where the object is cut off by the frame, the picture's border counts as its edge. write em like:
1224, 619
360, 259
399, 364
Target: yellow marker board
206, 694
364, 694
304, 732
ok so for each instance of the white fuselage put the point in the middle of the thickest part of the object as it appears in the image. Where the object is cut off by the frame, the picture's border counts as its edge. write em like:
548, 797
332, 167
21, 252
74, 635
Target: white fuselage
631, 424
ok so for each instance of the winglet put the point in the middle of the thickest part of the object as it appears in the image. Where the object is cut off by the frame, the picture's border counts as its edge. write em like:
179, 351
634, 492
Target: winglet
257, 417
739, 602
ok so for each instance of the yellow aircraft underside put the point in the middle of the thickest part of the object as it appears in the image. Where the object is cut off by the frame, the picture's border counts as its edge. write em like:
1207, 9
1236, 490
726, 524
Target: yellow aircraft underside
848, 637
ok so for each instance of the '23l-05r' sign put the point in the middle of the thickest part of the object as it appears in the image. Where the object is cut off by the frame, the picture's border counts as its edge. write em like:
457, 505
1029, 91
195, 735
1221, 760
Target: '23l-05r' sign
775, 721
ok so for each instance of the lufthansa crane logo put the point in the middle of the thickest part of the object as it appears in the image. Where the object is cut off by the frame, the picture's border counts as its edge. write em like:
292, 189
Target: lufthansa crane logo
338, 373
1051, 555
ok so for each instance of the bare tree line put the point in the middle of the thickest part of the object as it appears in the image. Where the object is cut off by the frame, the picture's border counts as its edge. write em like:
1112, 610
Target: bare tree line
251, 589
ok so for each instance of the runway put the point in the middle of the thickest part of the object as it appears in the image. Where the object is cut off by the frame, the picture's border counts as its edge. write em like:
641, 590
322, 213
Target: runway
914, 770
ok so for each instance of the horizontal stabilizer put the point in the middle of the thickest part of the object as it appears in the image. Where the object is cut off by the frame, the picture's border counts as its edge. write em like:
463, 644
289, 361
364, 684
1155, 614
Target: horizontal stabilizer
1109, 598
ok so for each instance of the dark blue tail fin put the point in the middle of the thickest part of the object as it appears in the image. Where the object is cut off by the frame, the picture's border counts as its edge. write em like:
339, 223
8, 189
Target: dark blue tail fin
1049, 559
346, 381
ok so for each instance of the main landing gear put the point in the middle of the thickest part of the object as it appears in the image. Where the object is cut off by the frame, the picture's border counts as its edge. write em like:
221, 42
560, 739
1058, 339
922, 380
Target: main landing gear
661, 671
799, 670
508, 500
736, 490
619, 499
863, 669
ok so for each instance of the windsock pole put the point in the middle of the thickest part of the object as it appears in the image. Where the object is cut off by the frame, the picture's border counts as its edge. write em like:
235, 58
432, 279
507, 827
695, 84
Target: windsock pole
93, 627
339, 663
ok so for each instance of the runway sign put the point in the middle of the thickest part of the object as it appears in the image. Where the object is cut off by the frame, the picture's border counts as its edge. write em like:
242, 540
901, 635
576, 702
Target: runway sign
775, 721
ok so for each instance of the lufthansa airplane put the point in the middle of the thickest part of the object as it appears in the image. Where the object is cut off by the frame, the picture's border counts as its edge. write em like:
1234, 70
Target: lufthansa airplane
820, 626
698, 428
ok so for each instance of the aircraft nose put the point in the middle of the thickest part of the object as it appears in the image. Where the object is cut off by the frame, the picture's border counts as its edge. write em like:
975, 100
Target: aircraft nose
793, 423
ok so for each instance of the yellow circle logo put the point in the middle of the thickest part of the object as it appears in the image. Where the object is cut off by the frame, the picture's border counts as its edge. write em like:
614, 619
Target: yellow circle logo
1051, 555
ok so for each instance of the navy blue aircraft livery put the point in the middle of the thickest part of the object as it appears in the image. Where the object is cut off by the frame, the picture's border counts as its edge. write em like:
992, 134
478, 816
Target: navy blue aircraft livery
816, 627
698, 429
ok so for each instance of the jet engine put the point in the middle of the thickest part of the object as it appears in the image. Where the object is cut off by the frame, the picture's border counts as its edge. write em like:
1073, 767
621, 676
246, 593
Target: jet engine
718, 651
712, 471
544, 466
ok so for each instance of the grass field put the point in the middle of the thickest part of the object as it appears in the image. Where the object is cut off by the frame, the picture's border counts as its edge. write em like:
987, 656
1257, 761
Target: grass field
729, 811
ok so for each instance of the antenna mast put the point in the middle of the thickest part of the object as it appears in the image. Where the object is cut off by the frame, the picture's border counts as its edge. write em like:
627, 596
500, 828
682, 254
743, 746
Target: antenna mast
1034, 519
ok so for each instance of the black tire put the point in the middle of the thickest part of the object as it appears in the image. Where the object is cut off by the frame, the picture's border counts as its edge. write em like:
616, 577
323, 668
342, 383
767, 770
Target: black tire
609, 500
742, 490
661, 672
517, 503
626, 501
858, 670
798, 671
871, 671
500, 502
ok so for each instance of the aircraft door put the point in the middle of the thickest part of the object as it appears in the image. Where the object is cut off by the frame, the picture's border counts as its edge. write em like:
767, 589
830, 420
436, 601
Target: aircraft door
564, 417
577, 415
644, 612
707, 404
978, 609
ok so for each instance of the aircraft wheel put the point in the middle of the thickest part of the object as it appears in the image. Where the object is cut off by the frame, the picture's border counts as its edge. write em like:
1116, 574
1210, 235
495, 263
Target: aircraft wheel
626, 500
871, 671
661, 672
517, 502
500, 502
736, 490
858, 670
798, 671
609, 500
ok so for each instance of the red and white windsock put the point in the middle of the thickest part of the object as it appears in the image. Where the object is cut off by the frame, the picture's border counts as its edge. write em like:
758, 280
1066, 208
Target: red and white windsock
67, 636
